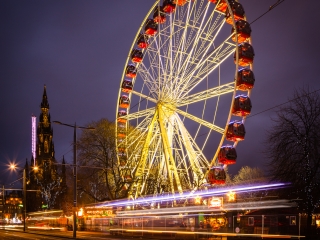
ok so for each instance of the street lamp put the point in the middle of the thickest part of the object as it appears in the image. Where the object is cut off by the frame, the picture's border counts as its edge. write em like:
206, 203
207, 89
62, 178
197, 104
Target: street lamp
24, 187
74, 170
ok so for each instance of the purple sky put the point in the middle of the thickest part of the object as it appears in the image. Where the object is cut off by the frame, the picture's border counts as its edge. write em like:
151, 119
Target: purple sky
79, 48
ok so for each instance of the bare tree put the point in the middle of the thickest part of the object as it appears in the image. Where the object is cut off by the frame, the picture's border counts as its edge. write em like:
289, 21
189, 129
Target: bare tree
293, 146
249, 176
99, 174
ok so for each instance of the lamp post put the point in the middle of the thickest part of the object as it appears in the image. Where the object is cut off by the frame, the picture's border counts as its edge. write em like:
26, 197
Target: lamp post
24, 189
74, 170
24, 199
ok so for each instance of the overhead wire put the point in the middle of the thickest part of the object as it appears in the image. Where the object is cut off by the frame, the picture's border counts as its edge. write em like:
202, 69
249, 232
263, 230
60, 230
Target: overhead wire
270, 8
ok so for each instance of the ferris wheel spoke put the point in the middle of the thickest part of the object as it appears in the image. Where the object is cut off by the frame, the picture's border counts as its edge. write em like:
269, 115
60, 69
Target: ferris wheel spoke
200, 37
138, 133
144, 154
193, 151
206, 66
206, 94
201, 121
140, 114
143, 96
148, 75
171, 168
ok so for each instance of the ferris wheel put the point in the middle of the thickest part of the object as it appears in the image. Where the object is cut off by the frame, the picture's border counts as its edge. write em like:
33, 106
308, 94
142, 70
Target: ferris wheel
184, 96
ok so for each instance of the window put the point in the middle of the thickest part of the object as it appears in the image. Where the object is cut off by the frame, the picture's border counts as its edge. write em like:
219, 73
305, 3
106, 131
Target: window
250, 221
293, 220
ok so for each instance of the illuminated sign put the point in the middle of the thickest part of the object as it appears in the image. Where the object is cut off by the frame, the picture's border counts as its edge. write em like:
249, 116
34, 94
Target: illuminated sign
215, 202
231, 196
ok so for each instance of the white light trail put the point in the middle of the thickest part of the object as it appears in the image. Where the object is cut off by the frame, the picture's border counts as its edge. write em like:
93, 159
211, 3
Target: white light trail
186, 195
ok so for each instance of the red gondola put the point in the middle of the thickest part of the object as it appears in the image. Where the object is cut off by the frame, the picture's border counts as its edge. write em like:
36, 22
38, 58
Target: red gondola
180, 2
216, 175
124, 101
159, 16
238, 12
123, 163
126, 86
151, 27
243, 31
241, 106
169, 6
136, 55
143, 41
125, 187
121, 149
245, 79
236, 131
222, 4
121, 133
127, 178
121, 115
246, 54
122, 158
131, 71
227, 155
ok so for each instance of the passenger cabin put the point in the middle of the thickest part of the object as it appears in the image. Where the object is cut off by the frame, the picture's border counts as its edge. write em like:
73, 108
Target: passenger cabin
246, 54
121, 125
241, 106
151, 27
159, 16
245, 79
136, 55
126, 86
122, 155
121, 133
221, 5
122, 163
124, 101
238, 12
128, 178
125, 187
122, 158
121, 149
243, 31
143, 41
131, 71
236, 131
227, 155
180, 2
169, 6
121, 116
216, 175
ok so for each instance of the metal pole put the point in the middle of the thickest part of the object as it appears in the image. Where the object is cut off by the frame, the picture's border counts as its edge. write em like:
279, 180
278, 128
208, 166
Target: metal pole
75, 181
24, 200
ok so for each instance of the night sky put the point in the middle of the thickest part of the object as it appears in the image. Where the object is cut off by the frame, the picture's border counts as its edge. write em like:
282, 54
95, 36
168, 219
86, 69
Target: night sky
78, 49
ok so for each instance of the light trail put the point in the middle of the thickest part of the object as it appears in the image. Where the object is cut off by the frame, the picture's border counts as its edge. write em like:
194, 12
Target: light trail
187, 195
205, 208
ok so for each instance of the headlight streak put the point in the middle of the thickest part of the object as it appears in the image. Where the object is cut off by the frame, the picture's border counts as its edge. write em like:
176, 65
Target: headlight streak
203, 208
187, 195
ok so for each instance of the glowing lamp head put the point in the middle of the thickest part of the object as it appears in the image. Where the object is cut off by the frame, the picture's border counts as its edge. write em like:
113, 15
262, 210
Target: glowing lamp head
13, 166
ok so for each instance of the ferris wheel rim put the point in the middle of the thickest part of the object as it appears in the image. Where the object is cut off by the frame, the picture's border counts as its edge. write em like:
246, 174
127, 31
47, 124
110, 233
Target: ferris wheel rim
157, 102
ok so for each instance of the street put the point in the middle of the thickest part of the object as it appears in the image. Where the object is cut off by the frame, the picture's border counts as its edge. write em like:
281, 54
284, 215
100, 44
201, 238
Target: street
39, 235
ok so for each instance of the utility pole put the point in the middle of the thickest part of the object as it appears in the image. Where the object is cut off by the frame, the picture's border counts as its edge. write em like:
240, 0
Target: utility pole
74, 171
